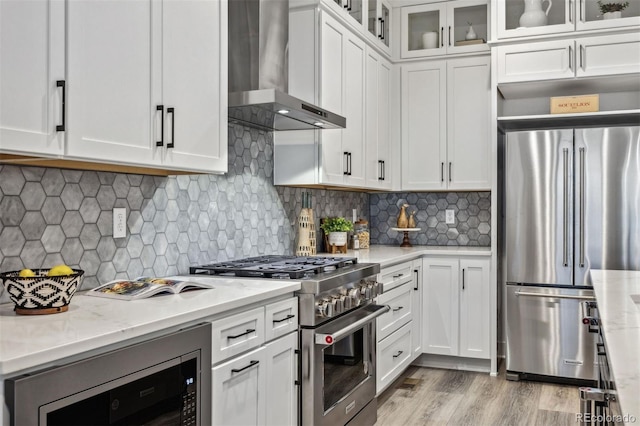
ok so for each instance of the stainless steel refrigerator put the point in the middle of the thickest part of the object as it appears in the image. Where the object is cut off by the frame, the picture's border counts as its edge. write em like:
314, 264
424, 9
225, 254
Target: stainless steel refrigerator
572, 203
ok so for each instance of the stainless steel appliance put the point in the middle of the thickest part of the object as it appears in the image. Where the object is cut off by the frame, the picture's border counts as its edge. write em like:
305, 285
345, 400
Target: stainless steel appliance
259, 71
572, 202
337, 336
166, 380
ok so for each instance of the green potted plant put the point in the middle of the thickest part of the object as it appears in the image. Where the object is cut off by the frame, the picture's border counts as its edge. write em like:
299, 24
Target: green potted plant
612, 10
336, 229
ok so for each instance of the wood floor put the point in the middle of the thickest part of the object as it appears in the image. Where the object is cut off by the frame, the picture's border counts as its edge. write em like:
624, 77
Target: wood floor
450, 397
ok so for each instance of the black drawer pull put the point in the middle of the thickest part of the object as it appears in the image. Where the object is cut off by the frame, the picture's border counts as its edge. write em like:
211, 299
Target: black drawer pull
249, 331
251, 364
398, 308
161, 109
63, 84
398, 354
288, 317
397, 276
172, 111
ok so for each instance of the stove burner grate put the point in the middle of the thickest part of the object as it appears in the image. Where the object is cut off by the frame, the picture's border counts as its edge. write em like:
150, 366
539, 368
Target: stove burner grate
274, 266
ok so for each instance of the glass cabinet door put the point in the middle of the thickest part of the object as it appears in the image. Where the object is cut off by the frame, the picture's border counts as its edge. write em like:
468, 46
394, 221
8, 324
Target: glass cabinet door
590, 16
379, 21
520, 18
467, 26
385, 20
353, 8
423, 30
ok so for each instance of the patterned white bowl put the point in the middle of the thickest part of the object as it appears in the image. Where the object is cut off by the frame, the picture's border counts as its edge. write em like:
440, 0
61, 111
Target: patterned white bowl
41, 294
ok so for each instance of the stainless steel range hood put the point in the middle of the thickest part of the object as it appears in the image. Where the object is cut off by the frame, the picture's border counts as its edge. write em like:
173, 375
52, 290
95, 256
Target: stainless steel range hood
259, 71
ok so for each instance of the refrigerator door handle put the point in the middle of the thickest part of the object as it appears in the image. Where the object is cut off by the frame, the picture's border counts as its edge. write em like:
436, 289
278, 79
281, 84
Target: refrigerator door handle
554, 296
565, 209
581, 202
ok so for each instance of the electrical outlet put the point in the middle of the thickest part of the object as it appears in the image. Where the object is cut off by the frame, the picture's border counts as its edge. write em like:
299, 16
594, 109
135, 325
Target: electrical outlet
355, 215
450, 217
119, 222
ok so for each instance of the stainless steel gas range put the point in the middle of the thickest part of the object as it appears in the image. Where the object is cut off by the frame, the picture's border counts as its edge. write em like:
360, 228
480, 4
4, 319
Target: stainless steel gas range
337, 331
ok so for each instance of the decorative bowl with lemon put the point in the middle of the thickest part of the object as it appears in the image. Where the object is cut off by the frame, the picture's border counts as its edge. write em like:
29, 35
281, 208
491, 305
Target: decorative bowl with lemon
42, 291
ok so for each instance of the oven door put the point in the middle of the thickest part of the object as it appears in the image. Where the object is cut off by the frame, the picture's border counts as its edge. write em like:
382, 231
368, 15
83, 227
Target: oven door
339, 367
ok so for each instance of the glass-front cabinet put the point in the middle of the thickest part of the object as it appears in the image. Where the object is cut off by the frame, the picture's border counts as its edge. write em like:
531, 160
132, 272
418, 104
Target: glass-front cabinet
379, 21
444, 28
354, 8
521, 18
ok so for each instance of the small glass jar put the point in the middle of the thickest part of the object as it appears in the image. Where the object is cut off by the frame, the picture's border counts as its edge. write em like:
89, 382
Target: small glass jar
361, 231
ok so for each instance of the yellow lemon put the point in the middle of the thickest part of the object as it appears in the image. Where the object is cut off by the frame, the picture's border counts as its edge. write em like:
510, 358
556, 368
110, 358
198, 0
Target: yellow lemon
26, 273
60, 270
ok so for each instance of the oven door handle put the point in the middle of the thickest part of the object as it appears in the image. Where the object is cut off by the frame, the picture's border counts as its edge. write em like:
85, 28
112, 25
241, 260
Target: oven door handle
329, 337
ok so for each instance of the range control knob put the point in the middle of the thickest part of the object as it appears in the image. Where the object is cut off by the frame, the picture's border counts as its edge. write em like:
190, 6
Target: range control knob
354, 295
338, 305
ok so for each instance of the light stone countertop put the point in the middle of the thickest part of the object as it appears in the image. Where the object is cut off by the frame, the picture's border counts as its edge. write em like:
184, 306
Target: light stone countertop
93, 324
620, 318
390, 255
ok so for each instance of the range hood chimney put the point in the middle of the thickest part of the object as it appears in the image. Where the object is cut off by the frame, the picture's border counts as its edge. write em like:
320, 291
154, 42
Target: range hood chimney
259, 71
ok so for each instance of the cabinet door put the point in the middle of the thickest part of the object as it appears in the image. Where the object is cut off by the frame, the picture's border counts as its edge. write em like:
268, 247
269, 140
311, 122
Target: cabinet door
424, 120
353, 140
513, 22
377, 130
468, 117
547, 60
416, 302
32, 60
399, 300
462, 16
589, 16
281, 375
379, 23
440, 306
333, 161
194, 84
608, 55
394, 355
423, 30
238, 390
475, 313
110, 67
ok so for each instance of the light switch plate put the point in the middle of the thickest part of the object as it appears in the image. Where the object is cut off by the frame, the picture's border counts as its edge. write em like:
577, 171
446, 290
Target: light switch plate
450, 217
119, 222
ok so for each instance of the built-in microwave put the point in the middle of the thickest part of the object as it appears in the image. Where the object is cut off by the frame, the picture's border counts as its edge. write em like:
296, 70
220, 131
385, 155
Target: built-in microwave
162, 381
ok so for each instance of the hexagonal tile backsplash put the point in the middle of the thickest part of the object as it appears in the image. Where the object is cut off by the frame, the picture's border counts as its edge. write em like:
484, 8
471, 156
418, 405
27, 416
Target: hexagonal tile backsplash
472, 211
50, 216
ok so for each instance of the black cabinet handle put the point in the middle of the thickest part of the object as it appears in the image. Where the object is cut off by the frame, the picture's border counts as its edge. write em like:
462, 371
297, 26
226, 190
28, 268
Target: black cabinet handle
442, 172
173, 127
380, 170
417, 278
382, 29
384, 170
399, 308
463, 278
449, 171
249, 331
63, 84
161, 109
251, 364
288, 317
349, 164
398, 354
441, 36
346, 162
449, 35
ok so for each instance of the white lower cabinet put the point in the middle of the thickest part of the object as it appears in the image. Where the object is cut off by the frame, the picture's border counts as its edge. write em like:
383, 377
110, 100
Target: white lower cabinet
253, 381
393, 356
238, 390
456, 307
416, 308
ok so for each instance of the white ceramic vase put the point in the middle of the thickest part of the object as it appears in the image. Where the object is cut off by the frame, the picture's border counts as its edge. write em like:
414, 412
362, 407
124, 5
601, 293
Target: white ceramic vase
430, 40
471, 34
533, 15
612, 15
338, 238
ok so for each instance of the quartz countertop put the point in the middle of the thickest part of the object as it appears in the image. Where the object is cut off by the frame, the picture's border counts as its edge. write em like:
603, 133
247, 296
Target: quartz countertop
620, 317
92, 323
390, 255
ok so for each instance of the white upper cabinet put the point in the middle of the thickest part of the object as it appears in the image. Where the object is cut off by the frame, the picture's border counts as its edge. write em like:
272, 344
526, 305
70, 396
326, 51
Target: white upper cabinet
32, 77
143, 83
445, 125
557, 17
444, 28
379, 23
110, 75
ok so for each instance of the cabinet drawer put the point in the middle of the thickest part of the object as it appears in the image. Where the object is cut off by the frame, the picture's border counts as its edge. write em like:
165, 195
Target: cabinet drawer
396, 275
399, 299
281, 318
237, 333
536, 61
394, 355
